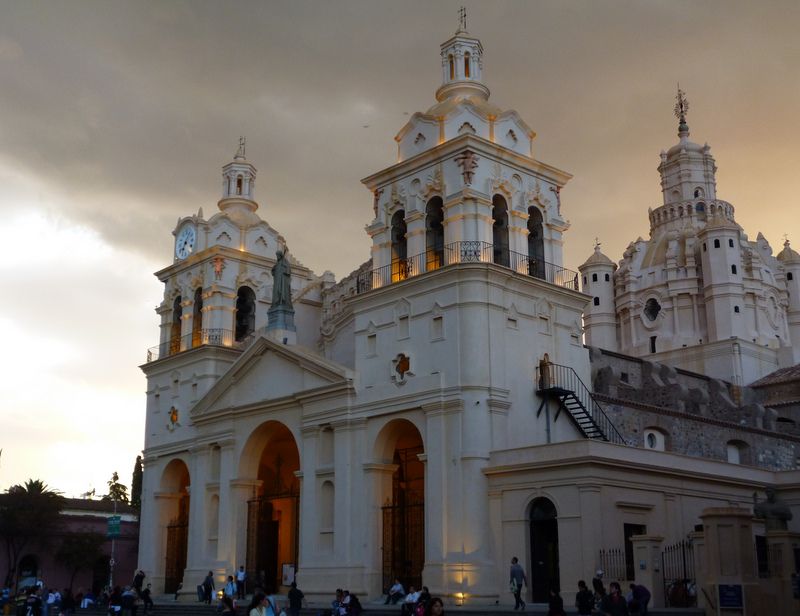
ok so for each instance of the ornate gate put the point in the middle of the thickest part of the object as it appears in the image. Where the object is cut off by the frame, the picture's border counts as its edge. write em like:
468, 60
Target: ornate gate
403, 543
677, 565
177, 543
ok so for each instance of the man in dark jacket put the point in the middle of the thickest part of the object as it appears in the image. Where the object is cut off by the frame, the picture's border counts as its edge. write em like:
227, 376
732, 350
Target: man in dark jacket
584, 600
642, 596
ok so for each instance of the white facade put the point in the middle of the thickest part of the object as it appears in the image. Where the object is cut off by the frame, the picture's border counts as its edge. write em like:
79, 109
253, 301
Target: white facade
698, 294
402, 434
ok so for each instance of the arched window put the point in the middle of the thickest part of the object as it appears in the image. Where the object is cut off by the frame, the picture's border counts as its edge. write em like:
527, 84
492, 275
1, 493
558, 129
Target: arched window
733, 269
434, 234
698, 193
245, 313
608, 278
175, 329
399, 247
700, 207
466, 66
500, 230
452, 67
197, 318
239, 182
737, 452
596, 301
716, 243
535, 243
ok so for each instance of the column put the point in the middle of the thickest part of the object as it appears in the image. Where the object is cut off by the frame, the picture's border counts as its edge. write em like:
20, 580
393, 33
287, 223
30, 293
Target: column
647, 562
227, 527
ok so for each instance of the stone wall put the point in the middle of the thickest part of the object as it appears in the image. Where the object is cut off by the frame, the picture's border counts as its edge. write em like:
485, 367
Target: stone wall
697, 415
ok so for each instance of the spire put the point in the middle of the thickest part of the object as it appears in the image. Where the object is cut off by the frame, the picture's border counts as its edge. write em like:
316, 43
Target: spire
681, 108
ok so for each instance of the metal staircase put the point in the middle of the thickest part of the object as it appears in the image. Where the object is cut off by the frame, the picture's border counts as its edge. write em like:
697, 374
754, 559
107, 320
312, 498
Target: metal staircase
562, 383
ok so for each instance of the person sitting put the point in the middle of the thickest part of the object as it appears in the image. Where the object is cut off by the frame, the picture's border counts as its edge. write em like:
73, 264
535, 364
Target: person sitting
395, 593
410, 602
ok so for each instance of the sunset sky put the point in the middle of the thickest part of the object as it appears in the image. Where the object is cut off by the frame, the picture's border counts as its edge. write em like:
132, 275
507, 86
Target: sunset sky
116, 118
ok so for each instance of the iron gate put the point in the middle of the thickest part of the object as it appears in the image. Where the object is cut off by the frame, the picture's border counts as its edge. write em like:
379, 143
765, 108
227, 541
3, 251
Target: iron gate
403, 544
177, 543
262, 541
677, 565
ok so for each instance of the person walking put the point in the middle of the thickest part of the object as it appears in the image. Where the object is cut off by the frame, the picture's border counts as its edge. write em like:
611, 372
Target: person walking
516, 579
614, 604
641, 595
584, 599
295, 597
208, 587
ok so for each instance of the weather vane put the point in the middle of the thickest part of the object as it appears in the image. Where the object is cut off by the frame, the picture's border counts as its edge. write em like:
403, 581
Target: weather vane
681, 104
240, 151
462, 19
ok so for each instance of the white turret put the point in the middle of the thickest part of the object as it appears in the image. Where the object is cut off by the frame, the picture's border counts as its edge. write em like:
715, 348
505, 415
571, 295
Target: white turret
790, 260
599, 317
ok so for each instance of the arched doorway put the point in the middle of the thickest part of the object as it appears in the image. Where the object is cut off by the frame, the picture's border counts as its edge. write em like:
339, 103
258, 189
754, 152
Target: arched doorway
500, 231
544, 549
273, 515
399, 246
175, 327
535, 243
175, 483
245, 313
403, 511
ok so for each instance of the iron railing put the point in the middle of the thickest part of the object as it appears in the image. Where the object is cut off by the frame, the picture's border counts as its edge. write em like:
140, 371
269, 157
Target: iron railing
465, 252
551, 376
200, 337
612, 562
677, 566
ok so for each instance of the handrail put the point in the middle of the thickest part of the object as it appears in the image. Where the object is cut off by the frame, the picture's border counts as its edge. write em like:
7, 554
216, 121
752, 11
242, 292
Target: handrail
551, 376
472, 251
201, 337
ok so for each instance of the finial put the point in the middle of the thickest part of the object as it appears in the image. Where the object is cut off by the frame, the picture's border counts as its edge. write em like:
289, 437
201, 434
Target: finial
462, 20
597, 243
240, 151
786, 239
681, 108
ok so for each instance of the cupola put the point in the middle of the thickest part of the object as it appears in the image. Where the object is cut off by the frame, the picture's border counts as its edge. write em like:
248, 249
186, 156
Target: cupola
462, 65
238, 188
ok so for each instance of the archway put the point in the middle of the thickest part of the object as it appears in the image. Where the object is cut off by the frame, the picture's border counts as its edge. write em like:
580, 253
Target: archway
500, 230
175, 327
197, 318
544, 549
245, 313
175, 513
399, 246
403, 509
434, 234
535, 243
273, 514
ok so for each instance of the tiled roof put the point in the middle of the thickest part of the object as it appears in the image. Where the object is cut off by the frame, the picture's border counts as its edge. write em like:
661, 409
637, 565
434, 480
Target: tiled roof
783, 375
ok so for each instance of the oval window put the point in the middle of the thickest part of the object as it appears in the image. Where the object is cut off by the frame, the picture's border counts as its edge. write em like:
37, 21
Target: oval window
652, 308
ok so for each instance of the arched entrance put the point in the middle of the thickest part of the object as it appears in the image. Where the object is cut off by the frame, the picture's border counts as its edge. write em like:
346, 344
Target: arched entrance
434, 234
399, 246
501, 255
175, 483
544, 549
535, 243
273, 515
403, 514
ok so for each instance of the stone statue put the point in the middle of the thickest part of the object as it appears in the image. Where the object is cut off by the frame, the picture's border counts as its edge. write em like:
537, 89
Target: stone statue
774, 513
281, 281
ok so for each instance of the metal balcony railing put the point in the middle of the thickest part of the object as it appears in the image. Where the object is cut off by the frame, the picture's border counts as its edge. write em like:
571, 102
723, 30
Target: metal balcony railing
198, 338
465, 252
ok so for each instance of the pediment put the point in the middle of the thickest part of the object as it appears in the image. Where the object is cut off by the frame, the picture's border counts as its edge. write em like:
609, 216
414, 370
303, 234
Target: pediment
267, 372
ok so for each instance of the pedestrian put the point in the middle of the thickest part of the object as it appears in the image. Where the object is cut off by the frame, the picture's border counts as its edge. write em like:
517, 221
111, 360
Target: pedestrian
138, 581
258, 604
227, 605
147, 599
556, 604
614, 604
295, 597
435, 607
597, 586
584, 599
516, 580
355, 606
208, 587
641, 595
241, 578
229, 590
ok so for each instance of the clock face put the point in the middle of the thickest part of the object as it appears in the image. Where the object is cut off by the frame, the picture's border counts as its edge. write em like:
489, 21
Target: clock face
185, 242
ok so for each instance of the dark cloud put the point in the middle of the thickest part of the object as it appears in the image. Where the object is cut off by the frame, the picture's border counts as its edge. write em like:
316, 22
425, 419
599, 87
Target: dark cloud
130, 109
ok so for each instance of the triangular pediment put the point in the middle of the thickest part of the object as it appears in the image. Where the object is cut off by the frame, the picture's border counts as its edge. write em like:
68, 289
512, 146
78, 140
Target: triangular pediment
268, 372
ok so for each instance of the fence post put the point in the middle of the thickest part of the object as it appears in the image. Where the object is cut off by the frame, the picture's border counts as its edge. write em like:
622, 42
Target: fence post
647, 566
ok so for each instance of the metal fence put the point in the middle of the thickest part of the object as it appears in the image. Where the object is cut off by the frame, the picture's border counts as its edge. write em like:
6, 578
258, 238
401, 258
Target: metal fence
465, 252
612, 562
677, 566
200, 337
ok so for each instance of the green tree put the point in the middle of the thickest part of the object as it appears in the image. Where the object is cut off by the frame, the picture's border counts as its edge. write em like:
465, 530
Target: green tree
29, 514
136, 484
116, 491
79, 551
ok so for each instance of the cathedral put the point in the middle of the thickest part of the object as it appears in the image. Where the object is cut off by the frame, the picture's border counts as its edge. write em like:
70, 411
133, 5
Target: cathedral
462, 398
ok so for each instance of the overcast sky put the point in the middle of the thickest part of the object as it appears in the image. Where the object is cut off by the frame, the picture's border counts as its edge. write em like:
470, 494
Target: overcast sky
116, 118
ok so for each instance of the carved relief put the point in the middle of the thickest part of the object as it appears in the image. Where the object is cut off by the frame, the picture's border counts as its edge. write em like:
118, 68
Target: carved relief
223, 238
466, 129
401, 369
434, 184
535, 196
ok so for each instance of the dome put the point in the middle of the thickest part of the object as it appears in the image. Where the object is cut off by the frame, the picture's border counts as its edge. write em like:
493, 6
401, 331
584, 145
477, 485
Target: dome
597, 258
788, 255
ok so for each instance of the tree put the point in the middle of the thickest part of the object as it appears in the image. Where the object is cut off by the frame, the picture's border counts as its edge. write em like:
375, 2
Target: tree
80, 551
116, 490
29, 514
136, 484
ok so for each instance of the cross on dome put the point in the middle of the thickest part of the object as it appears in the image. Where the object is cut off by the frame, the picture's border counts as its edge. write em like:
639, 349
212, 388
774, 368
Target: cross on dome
681, 108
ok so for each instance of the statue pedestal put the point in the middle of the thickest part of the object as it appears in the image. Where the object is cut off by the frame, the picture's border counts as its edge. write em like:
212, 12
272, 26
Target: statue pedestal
280, 325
